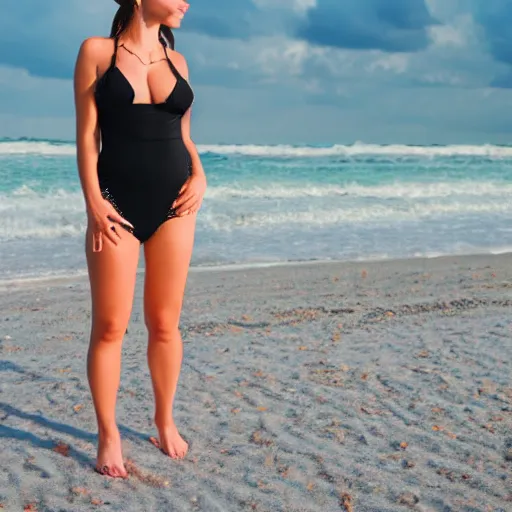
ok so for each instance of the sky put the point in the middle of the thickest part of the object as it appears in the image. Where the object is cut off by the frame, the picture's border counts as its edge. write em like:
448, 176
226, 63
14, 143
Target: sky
288, 71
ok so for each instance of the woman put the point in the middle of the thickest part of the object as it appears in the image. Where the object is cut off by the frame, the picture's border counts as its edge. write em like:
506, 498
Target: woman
145, 186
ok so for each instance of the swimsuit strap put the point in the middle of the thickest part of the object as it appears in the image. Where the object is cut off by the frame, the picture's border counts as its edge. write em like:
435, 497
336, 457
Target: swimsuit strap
114, 55
171, 65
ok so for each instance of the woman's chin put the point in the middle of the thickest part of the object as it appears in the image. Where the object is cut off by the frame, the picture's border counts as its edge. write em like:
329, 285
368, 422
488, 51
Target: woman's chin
173, 22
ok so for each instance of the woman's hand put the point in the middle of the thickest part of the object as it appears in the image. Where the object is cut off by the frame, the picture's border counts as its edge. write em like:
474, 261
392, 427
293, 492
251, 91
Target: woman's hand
191, 195
102, 219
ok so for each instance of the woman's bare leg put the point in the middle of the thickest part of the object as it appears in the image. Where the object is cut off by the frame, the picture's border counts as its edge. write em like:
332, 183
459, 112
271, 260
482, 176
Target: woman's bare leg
112, 274
168, 253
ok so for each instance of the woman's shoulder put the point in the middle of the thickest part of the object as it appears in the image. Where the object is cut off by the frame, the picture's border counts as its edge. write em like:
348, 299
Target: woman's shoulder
179, 62
96, 49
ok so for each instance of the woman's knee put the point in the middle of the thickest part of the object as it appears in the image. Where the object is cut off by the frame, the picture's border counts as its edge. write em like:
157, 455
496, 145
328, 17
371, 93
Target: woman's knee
163, 325
109, 329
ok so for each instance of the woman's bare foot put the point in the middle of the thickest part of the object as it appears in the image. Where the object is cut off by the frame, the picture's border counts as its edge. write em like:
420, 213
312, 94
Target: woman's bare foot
170, 441
110, 458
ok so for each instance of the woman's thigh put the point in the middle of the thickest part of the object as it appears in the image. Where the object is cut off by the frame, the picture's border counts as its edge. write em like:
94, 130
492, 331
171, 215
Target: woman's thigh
112, 276
167, 259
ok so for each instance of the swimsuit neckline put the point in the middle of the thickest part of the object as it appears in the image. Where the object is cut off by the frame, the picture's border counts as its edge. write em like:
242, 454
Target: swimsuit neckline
113, 66
156, 104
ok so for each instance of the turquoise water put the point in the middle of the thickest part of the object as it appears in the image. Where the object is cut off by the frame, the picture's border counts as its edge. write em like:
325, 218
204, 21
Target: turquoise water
269, 204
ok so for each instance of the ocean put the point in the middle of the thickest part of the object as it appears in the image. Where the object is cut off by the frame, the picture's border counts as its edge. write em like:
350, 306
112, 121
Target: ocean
272, 204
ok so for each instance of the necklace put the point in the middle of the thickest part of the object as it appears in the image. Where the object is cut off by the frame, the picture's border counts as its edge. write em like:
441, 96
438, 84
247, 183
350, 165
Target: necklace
134, 54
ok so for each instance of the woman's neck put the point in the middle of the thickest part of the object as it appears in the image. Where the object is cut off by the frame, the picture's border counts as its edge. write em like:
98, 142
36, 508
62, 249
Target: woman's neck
142, 35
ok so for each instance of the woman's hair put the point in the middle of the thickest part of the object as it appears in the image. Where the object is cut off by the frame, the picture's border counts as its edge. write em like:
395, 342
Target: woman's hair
123, 17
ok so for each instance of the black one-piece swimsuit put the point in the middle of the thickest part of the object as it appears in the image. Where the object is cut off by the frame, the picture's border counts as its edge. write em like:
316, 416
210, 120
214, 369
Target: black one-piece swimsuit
143, 162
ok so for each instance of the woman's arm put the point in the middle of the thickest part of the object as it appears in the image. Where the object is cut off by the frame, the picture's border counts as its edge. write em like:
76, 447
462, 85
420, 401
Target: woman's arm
87, 131
191, 194
197, 167
100, 212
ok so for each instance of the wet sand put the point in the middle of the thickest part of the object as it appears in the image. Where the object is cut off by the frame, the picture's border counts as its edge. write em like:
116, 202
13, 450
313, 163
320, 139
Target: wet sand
369, 386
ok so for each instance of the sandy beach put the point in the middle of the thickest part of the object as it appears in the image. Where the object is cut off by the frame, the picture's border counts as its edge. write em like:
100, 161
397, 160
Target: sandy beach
318, 387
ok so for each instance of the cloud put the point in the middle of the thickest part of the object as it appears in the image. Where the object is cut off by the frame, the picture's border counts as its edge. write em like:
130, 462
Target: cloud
43, 37
389, 25
495, 17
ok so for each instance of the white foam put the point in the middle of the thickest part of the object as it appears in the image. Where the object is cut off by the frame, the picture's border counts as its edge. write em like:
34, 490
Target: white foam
37, 148
359, 149
317, 217
395, 190
26, 213
353, 150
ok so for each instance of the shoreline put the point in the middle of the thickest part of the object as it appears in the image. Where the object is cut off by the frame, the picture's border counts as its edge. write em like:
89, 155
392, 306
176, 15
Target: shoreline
54, 279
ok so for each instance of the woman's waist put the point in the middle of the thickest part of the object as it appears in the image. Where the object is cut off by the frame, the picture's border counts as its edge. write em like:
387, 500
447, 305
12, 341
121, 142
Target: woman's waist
156, 128
142, 148
118, 156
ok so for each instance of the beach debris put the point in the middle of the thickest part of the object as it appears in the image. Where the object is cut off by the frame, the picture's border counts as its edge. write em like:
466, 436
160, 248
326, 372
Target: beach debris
440, 428
408, 498
258, 373
336, 337
423, 353
61, 448
78, 407
96, 501
489, 427
12, 348
257, 438
145, 477
508, 450
7, 337
451, 475
303, 347
407, 464
247, 318
334, 430
283, 470
270, 459
346, 502
262, 408
392, 456
404, 445
310, 486
372, 412
30, 507
79, 491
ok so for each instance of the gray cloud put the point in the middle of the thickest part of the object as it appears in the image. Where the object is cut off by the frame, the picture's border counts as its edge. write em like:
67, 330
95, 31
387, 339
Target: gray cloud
495, 17
389, 25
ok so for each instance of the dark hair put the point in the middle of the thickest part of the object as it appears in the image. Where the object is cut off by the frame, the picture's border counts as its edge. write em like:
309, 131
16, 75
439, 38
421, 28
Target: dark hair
123, 17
